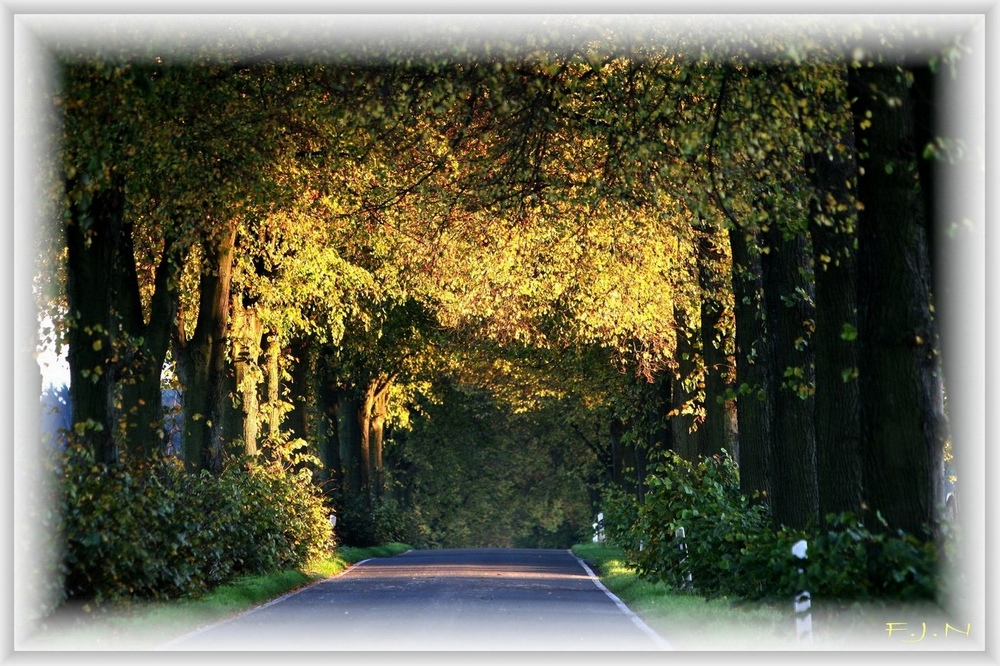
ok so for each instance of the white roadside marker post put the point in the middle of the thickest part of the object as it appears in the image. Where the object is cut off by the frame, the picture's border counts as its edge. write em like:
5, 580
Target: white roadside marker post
803, 600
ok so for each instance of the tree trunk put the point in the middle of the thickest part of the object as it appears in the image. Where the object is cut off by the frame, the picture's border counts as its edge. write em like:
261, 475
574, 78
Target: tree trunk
616, 431
328, 409
900, 393
302, 389
753, 408
924, 99
133, 416
142, 347
833, 231
712, 435
91, 237
380, 408
639, 455
657, 404
201, 361
247, 333
682, 417
932, 172
794, 494
350, 441
365, 405
639, 427
273, 407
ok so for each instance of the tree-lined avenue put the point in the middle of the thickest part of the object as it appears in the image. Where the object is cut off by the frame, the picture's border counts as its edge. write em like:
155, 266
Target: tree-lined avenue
485, 289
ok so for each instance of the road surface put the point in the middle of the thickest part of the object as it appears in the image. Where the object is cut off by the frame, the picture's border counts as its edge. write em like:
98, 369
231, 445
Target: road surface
475, 599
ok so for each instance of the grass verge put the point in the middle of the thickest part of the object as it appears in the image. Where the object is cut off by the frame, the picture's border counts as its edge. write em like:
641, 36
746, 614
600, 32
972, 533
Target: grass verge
690, 622
146, 625
687, 621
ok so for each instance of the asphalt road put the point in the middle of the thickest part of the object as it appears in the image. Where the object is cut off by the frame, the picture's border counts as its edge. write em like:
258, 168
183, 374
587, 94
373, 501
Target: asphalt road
476, 599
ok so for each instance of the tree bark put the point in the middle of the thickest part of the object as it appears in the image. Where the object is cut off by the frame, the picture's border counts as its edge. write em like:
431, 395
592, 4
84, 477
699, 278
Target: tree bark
91, 237
657, 404
272, 372
787, 293
380, 409
328, 398
247, 334
201, 360
616, 432
364, 416
682, 418
753, 408
833, 232
350, 441
712, 435
903, 468
303, 420
142, 348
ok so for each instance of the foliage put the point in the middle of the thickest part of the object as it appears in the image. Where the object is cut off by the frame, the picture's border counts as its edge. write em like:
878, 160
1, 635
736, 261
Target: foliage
396, 523
486, 475
621, 518
703, 499
729, 548
364, 525
870, 564
538, 211
150, 530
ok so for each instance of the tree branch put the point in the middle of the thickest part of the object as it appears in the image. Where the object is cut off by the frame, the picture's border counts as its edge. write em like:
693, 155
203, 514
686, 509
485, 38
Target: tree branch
713, 176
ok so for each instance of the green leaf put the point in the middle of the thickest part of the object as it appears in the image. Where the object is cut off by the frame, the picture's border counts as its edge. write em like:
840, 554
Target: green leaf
848, 332
847, 374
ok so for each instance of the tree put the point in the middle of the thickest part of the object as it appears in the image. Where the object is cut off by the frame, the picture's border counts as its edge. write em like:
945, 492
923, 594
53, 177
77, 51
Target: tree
683, 209
119, 312
833, 222
201, 358
753, 408
716, 329
903, 460
790, 314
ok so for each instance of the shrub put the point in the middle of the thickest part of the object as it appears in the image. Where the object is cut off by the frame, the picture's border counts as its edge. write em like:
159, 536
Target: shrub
355, 520
395, 523
717, 521
730, 547
152, 530
849, 561
621, 519
365, 524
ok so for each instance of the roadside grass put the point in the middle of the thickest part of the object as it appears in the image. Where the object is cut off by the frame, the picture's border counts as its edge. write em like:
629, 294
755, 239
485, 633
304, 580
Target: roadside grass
146, 625
690, 622
685, 620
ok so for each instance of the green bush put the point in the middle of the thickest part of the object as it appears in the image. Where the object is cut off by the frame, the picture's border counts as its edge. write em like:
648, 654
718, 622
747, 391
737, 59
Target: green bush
621, 519
365, 524
849, 561
152, 530
730, 547
355, 521
718, 524
395, 523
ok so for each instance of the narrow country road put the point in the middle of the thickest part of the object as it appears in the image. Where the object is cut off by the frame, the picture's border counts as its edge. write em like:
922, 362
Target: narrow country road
476, 599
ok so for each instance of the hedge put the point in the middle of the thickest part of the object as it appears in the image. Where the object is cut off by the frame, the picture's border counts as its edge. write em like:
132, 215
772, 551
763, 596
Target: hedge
152, 530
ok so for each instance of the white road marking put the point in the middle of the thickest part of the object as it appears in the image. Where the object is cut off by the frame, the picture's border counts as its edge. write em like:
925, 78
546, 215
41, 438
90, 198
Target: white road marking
636, 620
